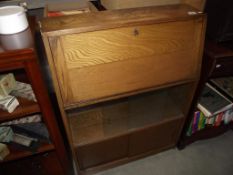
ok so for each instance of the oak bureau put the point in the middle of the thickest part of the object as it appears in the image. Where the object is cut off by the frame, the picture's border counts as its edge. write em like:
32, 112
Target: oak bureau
124, 79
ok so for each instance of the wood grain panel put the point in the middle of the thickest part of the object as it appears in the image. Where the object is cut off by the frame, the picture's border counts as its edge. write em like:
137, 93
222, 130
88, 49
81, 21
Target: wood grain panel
61, 68
122, 4
102, 152
198, 4
92, 48
106, 80
115, 18
127, 115
97, 65
151, 138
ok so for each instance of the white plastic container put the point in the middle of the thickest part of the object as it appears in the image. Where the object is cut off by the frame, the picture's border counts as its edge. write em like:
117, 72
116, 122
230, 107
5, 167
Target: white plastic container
12, 20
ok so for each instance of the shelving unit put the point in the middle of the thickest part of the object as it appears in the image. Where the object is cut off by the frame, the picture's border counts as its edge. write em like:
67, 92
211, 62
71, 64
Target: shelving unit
19, 154
26, 108
21, 60
217, 62
125, 80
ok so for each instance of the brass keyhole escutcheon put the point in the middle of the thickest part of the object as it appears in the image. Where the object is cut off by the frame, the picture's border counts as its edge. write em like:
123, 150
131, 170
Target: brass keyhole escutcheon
135, 32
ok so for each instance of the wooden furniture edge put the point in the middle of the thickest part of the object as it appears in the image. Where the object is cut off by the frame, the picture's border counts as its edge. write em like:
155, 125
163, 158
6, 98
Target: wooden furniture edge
117, 96
115, 19
58, 96
180, 143
98, 168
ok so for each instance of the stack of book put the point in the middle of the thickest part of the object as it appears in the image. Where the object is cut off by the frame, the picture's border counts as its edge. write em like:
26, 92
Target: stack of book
213, 108
10, 89
26, 133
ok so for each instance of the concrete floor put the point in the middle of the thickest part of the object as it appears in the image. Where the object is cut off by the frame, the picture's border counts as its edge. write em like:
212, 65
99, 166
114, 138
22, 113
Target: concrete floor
207, 157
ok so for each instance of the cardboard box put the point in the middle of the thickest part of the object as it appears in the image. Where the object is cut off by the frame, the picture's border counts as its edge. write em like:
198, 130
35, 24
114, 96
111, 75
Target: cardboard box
8, 103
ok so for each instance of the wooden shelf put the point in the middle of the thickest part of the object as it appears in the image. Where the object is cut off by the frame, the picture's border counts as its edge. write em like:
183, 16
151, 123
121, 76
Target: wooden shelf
208, 132
126, 115
23, 63
217, 63
25, 108
16, 154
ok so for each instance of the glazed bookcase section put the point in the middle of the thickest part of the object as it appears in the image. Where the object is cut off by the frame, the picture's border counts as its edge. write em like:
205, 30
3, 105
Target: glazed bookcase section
127, 115
129, 126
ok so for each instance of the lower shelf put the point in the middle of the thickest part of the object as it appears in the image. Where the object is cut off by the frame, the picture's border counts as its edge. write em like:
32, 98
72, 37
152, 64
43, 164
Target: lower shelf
208, 132
17, 154
25, 108
41, 164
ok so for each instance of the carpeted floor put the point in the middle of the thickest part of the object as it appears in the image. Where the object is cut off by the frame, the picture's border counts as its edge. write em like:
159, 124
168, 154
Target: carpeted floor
207, 157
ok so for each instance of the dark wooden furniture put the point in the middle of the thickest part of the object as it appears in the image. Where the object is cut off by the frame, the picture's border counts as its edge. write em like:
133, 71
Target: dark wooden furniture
217, 62
18, 56
124, 79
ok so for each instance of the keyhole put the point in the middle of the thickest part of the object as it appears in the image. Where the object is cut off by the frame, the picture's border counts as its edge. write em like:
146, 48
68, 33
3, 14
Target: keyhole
136, 32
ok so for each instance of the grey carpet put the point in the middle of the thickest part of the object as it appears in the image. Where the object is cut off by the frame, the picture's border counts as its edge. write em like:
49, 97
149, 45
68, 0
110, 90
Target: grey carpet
207, 157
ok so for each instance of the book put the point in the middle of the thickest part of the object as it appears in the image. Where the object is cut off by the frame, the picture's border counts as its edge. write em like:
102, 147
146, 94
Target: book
218, 119
195, 121
6, 134
4, 151
23, 140
9, 103
224, 84
189, 131
7, 84
201, 123
24, 90
29, 119
228, 116
212, 102
33, 130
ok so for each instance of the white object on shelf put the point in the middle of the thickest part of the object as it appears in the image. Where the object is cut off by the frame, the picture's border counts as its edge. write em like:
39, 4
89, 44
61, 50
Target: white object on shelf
24, 90
7, 84
8, 103
4, 151
12, 19
6, 134
29, 119
23, 140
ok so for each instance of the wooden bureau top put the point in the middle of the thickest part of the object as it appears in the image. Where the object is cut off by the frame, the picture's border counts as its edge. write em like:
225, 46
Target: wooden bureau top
116, 18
